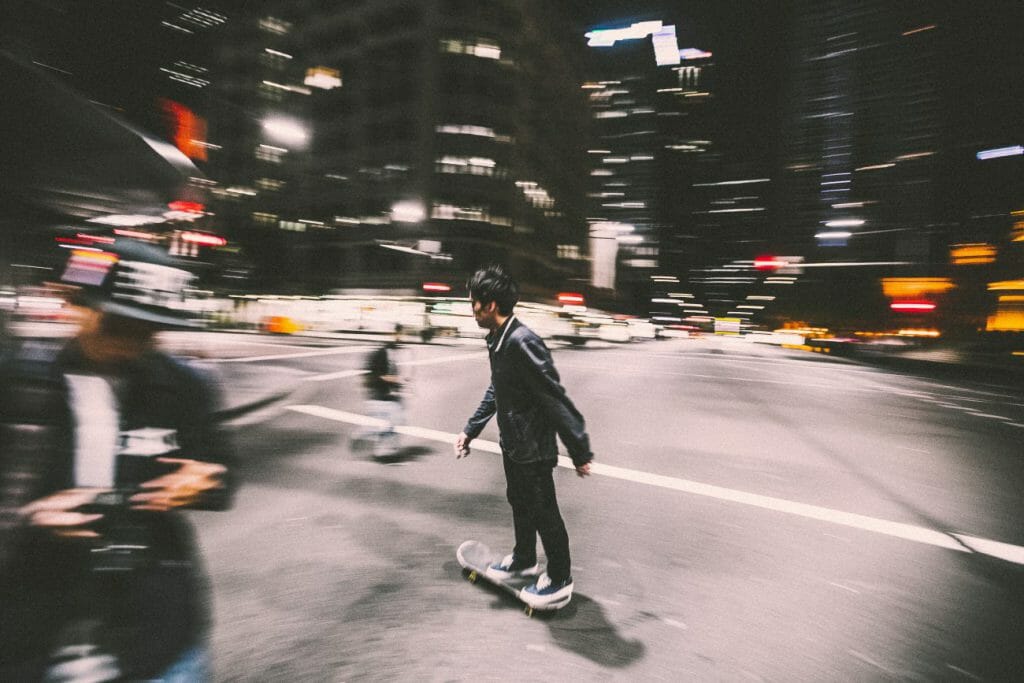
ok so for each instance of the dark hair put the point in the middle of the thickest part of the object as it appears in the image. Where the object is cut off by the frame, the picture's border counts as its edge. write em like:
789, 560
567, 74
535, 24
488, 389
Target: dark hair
492, 283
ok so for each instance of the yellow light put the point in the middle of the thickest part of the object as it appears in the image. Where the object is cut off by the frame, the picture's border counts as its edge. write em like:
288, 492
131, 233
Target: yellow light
972, 254
1006, 321
1017, 234
912, 287
1006, 285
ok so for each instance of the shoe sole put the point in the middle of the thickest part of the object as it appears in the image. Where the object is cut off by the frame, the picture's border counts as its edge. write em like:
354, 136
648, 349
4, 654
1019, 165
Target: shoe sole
545, 603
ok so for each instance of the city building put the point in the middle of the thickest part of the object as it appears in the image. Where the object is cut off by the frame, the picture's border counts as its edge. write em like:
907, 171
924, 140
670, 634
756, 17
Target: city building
897, 161
429, 138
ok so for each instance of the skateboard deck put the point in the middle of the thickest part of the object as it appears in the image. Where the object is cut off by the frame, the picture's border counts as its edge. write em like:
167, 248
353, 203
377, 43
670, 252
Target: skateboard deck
475, 557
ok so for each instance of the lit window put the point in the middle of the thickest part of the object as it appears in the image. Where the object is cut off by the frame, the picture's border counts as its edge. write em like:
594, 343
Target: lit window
275, 25
456, 129
466, 165
479, 47
270, 153
269, 184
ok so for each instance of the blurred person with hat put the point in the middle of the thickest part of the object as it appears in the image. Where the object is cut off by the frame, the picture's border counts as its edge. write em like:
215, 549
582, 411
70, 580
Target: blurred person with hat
102, 439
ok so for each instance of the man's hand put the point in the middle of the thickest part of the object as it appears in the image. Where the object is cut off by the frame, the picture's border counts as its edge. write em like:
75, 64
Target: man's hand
184, 486
462, 445
583, 470
56, 512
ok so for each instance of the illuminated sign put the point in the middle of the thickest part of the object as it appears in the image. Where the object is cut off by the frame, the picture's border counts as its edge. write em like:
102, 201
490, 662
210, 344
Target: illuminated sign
608, 37
187, 131
666, 47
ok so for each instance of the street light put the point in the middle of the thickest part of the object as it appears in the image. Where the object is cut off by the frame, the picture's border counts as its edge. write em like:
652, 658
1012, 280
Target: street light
286, 131
408, 211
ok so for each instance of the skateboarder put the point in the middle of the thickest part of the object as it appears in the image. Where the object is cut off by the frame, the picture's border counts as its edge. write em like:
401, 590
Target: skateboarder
532, 406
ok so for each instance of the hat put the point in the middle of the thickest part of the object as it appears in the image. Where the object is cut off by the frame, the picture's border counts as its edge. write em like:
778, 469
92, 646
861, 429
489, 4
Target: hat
131, 279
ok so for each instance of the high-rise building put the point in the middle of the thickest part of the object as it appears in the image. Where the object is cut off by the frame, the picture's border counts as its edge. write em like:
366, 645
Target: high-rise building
453, 140
639, 89
891, 107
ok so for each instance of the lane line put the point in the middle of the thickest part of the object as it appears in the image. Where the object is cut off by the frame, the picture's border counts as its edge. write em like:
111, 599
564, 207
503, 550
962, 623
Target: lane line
909, 532
286, 356
335, 375
427, 361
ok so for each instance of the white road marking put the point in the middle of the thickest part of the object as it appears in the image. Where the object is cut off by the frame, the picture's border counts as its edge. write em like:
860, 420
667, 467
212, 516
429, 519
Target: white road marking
427, 361
445, 359
335, 375
977, 414
845, 588
335, 351
964, 672
909, 532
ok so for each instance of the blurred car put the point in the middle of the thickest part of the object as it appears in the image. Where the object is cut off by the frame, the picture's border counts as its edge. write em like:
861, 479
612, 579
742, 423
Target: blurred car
640, 328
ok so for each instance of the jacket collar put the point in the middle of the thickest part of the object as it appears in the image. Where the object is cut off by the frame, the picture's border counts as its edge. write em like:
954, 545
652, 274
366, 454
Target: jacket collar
500, 334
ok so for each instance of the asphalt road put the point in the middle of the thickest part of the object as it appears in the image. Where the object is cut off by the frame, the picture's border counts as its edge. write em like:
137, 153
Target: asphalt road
755, 514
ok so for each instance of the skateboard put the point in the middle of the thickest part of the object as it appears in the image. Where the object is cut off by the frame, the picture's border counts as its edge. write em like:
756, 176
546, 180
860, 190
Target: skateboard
475, 557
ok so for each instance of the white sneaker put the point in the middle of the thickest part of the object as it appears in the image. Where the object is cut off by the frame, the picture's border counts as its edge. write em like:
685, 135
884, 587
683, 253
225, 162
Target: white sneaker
546, 593
506, 569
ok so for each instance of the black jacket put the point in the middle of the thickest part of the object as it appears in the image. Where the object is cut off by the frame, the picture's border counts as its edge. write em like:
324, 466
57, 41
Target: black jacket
152, 613
529, 400
381, 364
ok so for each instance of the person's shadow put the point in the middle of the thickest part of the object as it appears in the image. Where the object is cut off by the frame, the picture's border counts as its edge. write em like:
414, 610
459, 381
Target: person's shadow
580, 627
363, 445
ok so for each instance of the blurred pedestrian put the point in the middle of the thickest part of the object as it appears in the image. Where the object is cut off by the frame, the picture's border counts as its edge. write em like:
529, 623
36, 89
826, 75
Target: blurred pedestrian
385, 386
102, 439
532, 406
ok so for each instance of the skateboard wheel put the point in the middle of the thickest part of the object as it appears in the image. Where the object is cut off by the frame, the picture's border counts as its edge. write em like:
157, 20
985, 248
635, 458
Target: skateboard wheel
528, 611
472, 577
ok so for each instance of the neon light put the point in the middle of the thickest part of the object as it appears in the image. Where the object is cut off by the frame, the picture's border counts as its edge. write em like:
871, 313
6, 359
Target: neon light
570, 298
187, 207
1015, 150
203, 239
436, 287
920, 306
767, 263
693, 53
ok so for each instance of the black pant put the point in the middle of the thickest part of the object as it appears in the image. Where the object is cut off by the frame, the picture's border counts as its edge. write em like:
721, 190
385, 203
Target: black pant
531, 492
